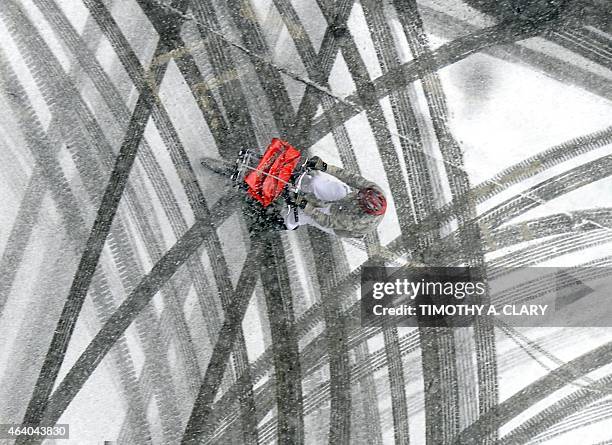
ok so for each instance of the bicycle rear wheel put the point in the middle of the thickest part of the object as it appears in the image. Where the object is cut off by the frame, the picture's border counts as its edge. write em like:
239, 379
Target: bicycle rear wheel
218, 166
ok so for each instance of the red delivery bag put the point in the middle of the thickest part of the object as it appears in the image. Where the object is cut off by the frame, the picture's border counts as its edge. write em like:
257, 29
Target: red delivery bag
273, 172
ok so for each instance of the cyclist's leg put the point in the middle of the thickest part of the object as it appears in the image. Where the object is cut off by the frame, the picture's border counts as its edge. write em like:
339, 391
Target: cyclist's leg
327, 188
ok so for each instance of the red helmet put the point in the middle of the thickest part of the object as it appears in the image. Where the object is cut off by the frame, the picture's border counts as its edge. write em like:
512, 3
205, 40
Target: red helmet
372, 201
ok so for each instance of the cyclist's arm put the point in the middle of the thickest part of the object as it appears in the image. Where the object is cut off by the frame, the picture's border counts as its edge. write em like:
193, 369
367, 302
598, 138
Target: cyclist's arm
314, 201
352, 180
319, 217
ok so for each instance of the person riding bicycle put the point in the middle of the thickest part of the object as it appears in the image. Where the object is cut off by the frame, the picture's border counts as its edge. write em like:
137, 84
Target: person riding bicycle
335, 201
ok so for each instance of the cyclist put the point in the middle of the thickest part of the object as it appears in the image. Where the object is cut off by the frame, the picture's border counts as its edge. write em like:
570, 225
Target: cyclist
335, 201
